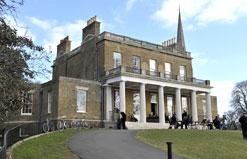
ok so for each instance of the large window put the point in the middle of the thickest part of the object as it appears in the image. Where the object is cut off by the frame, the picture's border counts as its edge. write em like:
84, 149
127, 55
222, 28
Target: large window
28, 103
168, 70
49, 101
152, 65
184, 104
204, 109
117, 59
116, 100
169, 106
81, 100
136, 105
136, 62
182, 72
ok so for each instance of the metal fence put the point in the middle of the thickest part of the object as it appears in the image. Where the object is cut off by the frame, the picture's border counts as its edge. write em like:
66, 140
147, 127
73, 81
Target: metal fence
17, 133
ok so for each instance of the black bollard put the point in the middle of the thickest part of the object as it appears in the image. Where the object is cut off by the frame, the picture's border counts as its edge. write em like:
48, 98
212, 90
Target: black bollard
169, 150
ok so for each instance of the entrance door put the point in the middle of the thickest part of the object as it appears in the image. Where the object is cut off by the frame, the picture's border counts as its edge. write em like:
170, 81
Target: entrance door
154, 109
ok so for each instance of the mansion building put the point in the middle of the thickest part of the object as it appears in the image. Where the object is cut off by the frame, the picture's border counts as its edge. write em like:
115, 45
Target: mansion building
109, 73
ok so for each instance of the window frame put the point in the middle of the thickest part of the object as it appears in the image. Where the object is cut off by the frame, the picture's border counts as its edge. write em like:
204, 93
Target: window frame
136, 57
155, 70
167, 73
49, 102
84, 89
115, 65
182, 76
29, 103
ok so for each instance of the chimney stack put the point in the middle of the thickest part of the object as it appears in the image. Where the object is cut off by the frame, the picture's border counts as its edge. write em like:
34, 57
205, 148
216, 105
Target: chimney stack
92, 28
64, 46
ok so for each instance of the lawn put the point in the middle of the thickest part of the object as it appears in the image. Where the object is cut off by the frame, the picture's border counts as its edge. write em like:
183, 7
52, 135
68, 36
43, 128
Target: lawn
198, 144
50, 146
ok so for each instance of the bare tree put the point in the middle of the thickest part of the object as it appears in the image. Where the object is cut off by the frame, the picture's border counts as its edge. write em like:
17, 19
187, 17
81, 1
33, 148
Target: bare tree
20, 62
239, 97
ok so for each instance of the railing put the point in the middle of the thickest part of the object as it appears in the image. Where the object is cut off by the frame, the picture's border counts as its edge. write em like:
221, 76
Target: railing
133, 70
17, 133
141, 43
166, 75
153, 73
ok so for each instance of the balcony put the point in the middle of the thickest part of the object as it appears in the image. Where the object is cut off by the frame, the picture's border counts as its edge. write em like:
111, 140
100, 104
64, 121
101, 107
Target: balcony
154, 75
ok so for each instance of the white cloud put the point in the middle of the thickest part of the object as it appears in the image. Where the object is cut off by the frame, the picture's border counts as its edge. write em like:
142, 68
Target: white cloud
54, 32
200, 12
41, 23
222, 89
200, 60
22, 28
130, 4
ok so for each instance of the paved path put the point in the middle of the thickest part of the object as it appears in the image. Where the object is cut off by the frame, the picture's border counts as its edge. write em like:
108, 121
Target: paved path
112, 144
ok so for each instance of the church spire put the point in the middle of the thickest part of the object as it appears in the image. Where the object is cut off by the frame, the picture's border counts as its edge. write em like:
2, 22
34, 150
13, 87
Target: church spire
180, 34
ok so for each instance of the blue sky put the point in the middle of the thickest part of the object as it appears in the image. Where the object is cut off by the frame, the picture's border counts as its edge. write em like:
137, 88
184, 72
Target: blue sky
215, 30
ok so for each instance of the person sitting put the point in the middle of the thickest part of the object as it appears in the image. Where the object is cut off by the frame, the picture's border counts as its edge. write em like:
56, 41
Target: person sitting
133, 118
173, 121
216, 122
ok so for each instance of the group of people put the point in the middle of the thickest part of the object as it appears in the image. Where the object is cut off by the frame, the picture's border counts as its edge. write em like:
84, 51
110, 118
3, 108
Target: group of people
186, 120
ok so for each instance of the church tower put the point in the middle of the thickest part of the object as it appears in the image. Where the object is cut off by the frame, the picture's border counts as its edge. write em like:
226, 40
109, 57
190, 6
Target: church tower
180, 45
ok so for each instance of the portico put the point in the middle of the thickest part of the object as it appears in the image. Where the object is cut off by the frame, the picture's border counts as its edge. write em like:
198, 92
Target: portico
162, 88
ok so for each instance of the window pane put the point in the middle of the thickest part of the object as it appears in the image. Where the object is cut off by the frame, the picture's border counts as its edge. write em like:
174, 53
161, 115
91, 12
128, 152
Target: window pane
81, 100
169, 105
204, 108
167, 67
136, 62
49, 102
136, 105
152, 65
184, 104
117, 59
28, 102
116, 100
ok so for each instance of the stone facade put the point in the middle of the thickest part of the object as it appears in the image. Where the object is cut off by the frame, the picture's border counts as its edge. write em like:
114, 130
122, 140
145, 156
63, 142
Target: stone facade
91, 67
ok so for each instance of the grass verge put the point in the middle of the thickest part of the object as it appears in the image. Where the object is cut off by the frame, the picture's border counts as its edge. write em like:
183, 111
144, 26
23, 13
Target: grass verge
50, 146
195, 144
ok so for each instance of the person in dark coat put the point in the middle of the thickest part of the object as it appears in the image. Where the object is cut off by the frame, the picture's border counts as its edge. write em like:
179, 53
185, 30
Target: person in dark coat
123, 120
216, 122
243, 122
173, 121
184, 120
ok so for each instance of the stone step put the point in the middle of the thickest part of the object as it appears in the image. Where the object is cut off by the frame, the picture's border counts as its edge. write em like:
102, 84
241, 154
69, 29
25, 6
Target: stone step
137, 125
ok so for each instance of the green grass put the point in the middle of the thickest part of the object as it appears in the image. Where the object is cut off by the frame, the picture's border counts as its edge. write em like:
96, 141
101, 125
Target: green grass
196, 144
50, 146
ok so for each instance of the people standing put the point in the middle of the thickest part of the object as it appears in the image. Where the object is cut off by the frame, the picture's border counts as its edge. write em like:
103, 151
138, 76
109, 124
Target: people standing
243, 122
184, 120
216, 122
123, 120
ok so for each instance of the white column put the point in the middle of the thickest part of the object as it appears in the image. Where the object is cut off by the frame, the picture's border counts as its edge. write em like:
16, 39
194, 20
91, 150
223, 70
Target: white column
178, 104
161, 105
122, 97
143, 103
208, 107
194, 106
108, 103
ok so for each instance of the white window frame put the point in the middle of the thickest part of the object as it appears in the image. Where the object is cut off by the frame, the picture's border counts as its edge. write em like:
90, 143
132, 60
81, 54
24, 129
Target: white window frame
115, 61
204, 109
29, 103
182, 72
169, 105
168, 70
49, 102
151, 64
135, 64
84, 105
184, 103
